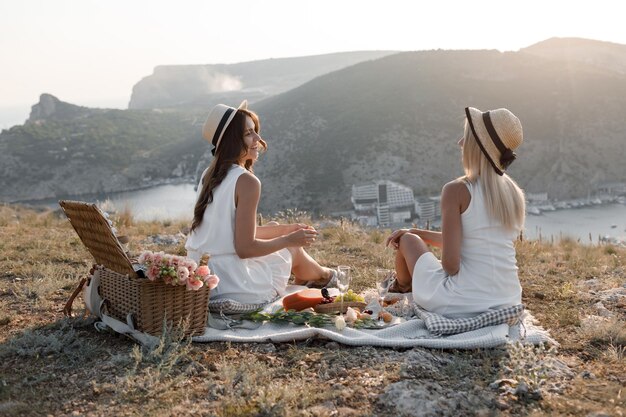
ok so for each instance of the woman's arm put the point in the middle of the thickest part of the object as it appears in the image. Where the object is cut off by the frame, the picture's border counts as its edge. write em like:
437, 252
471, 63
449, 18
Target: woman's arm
430, 237
454, 198
247, 244
271, 231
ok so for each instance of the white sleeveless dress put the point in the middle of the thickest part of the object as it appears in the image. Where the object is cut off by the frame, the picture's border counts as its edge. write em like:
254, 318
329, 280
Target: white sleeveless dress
487, 277
252, 280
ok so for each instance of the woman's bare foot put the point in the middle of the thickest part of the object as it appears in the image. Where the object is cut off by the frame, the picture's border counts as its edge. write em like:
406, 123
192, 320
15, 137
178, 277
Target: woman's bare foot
325, 281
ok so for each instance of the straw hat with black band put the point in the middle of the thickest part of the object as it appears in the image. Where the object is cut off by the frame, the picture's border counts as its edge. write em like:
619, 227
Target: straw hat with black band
497, 132
218, 120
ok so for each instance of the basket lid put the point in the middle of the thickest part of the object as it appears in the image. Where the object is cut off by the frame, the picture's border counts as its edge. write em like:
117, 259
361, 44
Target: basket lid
96, 234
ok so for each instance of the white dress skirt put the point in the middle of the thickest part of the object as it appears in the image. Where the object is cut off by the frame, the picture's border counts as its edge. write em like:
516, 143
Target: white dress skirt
487, 277
251, 280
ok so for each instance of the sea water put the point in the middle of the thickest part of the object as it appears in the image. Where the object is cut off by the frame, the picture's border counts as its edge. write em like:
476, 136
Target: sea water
176, 201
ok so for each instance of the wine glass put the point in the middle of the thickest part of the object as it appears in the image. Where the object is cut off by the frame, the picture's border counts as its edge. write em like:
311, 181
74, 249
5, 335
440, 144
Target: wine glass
384, 279
343, 281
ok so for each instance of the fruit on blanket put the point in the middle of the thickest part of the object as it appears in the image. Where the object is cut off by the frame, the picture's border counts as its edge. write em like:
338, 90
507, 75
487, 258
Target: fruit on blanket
303, 299
386, 316
350, 296
387, 303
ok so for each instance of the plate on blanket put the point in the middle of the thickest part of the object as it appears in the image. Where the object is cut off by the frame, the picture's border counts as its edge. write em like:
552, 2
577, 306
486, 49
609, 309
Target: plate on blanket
380, 324
331, 308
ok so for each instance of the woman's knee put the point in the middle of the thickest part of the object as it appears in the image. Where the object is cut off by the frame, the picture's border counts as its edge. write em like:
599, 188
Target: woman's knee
412, 247
411, 241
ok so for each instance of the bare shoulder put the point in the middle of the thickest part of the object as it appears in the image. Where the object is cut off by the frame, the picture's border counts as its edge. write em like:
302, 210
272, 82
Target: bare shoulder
455, 192
455, 187
248, 181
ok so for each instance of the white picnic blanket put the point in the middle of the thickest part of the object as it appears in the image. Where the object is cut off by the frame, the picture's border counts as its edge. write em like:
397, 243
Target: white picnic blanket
409, 333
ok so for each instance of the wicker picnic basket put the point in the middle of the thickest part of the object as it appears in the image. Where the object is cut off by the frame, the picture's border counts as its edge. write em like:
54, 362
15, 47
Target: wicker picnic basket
150, 303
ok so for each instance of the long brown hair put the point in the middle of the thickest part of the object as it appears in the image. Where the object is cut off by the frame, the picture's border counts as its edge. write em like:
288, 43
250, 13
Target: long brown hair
232, 148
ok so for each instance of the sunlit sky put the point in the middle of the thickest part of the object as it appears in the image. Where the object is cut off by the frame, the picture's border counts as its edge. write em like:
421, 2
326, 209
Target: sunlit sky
92, 52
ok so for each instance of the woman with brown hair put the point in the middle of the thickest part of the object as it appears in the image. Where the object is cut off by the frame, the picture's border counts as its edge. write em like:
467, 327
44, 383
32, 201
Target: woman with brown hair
482, 214
253, 262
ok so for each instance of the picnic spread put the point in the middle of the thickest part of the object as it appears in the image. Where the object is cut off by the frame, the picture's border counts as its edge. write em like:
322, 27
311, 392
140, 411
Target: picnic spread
143, 299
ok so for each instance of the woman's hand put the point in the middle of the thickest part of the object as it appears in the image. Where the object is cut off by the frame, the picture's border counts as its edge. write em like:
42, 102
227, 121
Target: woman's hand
394, 239
302, 237
298, 226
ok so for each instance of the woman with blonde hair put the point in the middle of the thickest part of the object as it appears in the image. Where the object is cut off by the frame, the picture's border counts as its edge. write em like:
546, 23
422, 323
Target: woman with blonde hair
482, 213
253, 262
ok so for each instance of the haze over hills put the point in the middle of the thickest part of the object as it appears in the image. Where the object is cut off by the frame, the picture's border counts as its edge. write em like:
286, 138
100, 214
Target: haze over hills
606, 55
397, 117
202, 86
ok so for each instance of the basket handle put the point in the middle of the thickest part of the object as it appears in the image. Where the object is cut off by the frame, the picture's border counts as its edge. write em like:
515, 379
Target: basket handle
67, 310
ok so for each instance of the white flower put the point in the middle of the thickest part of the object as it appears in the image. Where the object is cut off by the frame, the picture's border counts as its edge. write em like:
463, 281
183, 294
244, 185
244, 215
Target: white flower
351, 315
340, 323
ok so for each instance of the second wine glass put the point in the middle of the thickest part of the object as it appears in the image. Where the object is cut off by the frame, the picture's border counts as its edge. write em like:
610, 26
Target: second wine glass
384, 279
343, 282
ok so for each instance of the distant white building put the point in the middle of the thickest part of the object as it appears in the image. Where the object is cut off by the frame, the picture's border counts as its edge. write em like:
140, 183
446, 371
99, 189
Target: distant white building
383, 202
428, 208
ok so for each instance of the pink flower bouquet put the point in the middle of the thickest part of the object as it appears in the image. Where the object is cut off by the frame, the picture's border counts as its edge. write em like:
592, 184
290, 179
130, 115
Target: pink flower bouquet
177, 270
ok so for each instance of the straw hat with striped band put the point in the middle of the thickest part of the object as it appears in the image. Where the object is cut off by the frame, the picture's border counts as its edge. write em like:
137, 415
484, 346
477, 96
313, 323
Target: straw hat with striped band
498, 133
218, 120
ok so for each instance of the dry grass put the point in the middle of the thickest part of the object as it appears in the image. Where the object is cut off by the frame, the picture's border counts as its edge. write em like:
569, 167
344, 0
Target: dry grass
53, 365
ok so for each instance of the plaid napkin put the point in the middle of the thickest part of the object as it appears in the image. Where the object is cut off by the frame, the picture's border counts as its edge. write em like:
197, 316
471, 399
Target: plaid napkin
440, 325
228, 306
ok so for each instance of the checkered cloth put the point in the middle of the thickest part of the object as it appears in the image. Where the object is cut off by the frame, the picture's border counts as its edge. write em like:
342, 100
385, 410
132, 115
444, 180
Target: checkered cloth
440, 325
228, 306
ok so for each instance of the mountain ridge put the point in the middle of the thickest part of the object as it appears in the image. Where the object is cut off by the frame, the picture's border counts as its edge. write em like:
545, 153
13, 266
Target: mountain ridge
396, 117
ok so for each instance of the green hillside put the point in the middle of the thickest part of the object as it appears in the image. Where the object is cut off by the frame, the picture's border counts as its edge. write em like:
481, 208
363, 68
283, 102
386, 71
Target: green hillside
93, 151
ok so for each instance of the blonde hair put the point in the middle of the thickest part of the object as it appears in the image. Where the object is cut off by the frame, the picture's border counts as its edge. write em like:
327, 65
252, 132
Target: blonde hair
504, 199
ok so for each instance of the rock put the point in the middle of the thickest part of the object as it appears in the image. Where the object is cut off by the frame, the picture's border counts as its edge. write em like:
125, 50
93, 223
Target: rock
500, 382
500, 404
323, 410
6, 407
591, 282
556, 369
332, 345
592, 322
602, 310
598, 414
423, 362
266, 348
587, 375
524, 392
613, 295
347, 411
428, 398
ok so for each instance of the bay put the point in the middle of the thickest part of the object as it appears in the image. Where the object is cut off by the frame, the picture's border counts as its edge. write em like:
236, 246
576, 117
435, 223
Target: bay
586, 224
176, 202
